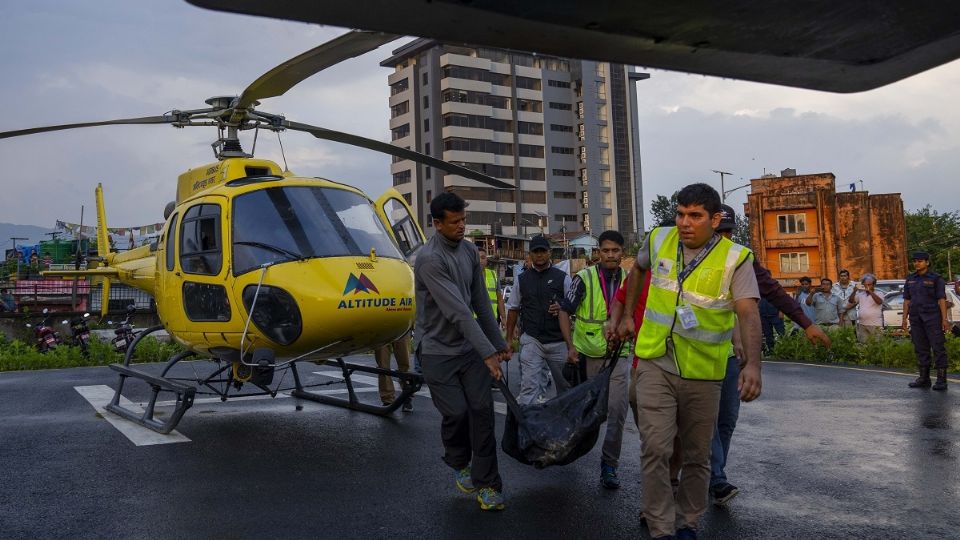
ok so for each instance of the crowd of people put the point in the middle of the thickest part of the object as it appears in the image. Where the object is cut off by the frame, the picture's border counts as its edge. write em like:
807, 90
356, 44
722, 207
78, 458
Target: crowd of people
687, 318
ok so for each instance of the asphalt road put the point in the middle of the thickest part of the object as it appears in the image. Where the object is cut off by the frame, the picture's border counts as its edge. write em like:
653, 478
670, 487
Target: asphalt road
825, 453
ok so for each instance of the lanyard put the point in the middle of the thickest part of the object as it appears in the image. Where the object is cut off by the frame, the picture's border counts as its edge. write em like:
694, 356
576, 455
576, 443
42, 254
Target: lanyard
687, 270
603, 289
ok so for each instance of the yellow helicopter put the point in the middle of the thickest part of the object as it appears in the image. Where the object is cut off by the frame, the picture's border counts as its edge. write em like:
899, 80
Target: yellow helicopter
258, 268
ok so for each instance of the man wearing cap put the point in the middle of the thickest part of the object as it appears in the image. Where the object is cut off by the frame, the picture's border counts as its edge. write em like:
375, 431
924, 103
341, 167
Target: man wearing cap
925, 306
535, 301
772, 292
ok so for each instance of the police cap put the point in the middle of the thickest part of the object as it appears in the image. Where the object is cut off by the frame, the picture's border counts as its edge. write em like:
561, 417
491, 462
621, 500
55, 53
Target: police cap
921, 256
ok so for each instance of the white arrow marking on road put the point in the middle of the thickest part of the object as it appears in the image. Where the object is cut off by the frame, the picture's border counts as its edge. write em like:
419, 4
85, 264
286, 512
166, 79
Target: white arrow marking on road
101, 395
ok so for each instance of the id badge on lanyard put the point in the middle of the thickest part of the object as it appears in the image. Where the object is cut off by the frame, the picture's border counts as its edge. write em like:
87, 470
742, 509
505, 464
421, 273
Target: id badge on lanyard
688, 319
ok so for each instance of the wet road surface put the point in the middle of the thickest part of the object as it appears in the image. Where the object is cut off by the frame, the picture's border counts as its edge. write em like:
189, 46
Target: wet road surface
825, 453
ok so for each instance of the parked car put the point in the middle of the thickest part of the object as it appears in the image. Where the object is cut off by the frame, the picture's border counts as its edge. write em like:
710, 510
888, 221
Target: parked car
886, 286
893, 308
506, 293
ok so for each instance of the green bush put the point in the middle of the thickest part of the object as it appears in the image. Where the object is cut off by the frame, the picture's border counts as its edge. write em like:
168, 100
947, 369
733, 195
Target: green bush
883, 351
18, 356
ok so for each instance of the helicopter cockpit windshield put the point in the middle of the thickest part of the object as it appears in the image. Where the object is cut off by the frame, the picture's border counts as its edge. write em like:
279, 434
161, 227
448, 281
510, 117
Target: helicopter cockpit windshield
280, 224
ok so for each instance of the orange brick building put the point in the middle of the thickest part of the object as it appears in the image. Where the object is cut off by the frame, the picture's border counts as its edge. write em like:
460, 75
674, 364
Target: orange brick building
800, 226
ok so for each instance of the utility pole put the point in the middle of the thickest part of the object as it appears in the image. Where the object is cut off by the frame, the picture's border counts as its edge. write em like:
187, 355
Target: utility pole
723, 195
17, 253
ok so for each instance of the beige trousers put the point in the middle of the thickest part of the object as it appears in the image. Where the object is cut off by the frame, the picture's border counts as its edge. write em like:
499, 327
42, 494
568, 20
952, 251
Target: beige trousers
401, 349
669, 407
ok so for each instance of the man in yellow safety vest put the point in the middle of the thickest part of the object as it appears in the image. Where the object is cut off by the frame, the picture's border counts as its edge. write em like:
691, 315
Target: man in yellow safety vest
590, 300
701, 285
493, 288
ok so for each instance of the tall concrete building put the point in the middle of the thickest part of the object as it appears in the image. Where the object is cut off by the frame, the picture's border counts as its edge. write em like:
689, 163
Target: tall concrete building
562, 131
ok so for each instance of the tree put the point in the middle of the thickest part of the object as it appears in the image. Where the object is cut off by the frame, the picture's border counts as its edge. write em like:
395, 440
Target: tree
663, 209
741, 234
935, 233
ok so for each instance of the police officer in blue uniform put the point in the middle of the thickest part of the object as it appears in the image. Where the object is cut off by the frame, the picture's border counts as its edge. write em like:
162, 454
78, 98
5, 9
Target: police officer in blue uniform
925, 306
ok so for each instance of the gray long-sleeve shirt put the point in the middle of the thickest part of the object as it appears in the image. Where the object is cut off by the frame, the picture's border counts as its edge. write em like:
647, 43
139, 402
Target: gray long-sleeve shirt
449, 289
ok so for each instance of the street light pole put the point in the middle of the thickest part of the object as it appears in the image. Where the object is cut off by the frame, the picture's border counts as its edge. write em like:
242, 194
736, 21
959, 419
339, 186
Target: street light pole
723, 197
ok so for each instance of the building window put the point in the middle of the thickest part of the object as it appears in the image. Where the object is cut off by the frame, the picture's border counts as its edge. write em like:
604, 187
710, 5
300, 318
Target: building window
426, 148
427, 172
561, 128
564, 195
605, 199
560, 106
794, 263
529, 173
400, 132
563, 172
425, 79
399, 86
792, 223
426, 102
528, 83
601, 70
530, 150
429, 195
605, 177
608, 222
529, 128
402, 177
530, 105
561, 150
563, 218
558, 84
409, 198
426, 125
399, 108
602, 112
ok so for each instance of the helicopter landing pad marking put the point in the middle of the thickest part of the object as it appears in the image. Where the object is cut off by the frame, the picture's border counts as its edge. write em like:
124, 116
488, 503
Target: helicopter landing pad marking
99, 396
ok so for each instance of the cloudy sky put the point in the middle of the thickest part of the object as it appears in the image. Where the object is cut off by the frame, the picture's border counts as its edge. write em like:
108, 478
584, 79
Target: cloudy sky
70, 62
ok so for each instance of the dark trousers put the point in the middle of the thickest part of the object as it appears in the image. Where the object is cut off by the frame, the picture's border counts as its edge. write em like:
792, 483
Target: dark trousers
926, 332
771, 324
460, 388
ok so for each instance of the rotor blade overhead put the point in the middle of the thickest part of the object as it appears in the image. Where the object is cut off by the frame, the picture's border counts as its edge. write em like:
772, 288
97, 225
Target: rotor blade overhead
386, 148
288, 74
61, 127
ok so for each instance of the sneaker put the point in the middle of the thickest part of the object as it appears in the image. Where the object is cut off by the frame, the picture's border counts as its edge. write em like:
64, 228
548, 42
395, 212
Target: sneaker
464, 482
408, 405
490, 499
608, 476
686, 533
722, 493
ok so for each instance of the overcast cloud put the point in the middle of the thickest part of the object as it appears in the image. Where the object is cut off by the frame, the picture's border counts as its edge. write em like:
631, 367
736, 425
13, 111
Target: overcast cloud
64, 62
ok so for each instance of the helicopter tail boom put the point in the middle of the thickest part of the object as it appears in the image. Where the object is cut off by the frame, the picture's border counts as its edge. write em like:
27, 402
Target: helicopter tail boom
103, 237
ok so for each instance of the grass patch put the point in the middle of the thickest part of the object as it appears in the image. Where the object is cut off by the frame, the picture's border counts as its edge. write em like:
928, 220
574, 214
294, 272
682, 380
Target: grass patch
19, 356
883, 351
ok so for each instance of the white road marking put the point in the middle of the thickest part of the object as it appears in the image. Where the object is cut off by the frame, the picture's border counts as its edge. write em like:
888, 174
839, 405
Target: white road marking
868, 370
99, 396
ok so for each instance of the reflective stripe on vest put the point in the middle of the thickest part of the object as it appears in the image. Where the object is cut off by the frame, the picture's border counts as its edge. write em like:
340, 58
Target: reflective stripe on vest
701, 352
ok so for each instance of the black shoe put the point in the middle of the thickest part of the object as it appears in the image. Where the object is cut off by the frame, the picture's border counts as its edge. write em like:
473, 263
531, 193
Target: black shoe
408, 405
686, 533
923, 381
722, 493
941, 384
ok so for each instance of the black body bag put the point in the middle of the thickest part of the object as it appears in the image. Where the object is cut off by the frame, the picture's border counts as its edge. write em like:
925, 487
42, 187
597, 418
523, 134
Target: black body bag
558, 431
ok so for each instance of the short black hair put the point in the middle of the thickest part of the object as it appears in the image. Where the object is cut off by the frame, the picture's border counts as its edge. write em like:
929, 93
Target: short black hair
446, 202
844, 271
613, 236
825, 279
700, 194
806, 278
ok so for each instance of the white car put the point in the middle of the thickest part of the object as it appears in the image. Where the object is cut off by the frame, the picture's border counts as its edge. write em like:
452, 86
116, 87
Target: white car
506, 293
893, 308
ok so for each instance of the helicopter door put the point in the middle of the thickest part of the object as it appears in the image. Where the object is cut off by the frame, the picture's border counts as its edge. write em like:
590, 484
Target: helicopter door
202, 269
398, 217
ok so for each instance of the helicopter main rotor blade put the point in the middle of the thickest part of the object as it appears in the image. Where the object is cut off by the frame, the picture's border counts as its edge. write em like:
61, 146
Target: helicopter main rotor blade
386, 148
61, 127
288, 74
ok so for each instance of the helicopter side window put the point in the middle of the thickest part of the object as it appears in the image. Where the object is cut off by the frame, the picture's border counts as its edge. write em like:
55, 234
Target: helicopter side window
170, 242
200, 243
403, 227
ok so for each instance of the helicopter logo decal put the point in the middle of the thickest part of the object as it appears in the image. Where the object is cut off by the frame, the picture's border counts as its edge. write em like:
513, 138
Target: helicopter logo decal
359, 285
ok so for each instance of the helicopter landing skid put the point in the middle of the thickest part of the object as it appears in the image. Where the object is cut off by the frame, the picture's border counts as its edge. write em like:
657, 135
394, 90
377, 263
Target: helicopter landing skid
184, 394
410, 383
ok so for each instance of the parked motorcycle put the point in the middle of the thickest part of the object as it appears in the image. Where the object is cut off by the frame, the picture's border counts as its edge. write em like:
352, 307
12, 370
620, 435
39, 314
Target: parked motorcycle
46, 337
124, 332
79, 333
